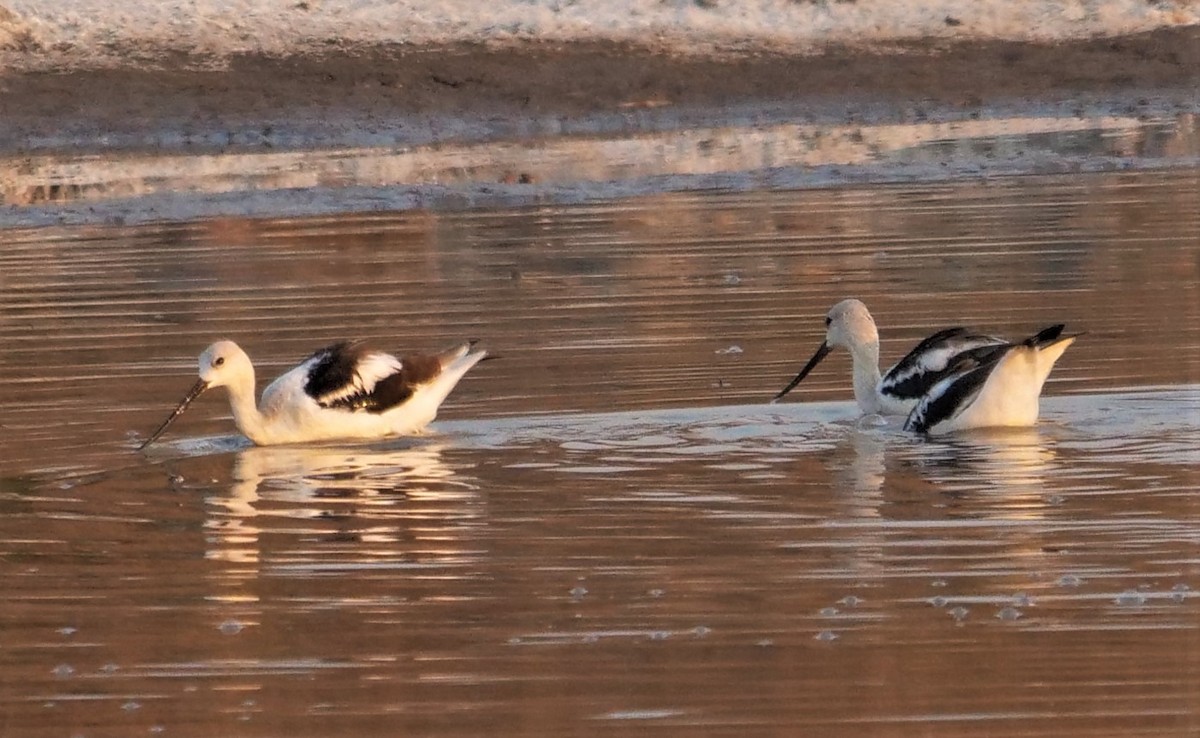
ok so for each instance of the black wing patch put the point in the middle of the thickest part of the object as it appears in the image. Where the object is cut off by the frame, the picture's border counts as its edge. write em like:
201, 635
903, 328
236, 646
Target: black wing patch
961, 385
912, 377
387, 394
333, 369
910, 359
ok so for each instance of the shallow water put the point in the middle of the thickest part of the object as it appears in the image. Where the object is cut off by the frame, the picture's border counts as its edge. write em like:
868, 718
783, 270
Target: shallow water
610, 530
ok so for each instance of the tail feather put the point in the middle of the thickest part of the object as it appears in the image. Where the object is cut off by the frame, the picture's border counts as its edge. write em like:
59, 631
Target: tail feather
450, 355
457, 360
1049, 336
1045, 337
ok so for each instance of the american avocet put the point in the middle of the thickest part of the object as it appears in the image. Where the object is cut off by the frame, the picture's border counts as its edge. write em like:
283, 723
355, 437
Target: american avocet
952, 380
348, 390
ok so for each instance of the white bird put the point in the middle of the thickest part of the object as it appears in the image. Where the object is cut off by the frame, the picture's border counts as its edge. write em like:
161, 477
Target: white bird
953, 380
348, 390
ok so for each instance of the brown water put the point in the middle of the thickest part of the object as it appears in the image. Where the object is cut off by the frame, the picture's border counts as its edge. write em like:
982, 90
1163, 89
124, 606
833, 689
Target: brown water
611, 532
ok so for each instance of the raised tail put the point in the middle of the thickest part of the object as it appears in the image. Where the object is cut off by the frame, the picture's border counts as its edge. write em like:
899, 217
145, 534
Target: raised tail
1045, 337
440, 373
1049, 343
458, 360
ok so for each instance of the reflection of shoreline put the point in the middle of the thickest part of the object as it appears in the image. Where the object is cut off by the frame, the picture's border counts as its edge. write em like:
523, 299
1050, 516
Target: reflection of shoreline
570, 162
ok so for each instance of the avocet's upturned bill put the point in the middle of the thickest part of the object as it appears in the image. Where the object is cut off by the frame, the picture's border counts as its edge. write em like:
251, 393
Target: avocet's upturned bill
953, 380
345, 391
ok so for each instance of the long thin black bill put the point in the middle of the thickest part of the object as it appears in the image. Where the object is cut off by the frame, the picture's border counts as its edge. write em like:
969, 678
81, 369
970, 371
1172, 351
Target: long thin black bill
822, 352
192, 394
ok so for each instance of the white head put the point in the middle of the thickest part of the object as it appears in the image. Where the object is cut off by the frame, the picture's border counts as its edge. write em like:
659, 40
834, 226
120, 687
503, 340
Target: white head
224, 364
849, 325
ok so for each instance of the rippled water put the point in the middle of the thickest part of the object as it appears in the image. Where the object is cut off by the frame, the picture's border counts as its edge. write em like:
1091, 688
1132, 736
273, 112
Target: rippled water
611, 531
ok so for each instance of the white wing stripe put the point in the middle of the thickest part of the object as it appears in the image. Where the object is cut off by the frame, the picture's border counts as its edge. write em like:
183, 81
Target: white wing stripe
368, 371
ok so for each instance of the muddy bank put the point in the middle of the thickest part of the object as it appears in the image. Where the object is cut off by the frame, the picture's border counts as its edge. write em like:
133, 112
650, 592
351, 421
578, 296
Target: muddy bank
404, 95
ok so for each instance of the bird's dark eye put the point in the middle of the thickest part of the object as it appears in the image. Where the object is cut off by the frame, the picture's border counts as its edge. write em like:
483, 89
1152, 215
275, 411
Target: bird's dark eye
220, 360
828, 320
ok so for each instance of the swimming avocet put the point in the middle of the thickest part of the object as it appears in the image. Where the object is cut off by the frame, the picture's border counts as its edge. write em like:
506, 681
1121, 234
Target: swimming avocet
953, 380
348, 390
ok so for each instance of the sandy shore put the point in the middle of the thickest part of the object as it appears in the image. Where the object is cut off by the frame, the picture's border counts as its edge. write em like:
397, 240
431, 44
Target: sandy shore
411, 96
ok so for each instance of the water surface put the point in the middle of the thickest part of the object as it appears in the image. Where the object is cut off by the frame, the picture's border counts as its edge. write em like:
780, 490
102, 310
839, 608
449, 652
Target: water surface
610, 530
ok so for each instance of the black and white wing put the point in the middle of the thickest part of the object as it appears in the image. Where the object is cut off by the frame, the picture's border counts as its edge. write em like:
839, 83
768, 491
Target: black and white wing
353, 376
932, 360
957, 389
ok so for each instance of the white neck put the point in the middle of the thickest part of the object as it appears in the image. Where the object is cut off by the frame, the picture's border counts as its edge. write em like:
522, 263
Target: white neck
866, 376
245, 412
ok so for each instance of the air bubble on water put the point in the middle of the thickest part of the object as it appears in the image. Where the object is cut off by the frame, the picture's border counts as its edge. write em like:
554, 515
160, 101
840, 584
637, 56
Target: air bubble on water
64, 670
230, 627
1069, 580
656, 592
1130, 598
828, 612
959, 613
1009, 613
701, 631
850, 601
938, 601
826, 635
578, 593
131, 705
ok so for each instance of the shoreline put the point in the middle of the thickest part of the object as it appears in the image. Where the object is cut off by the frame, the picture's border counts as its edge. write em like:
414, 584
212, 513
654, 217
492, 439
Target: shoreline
476, 126
412, 96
